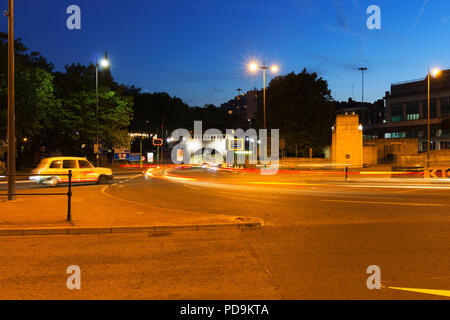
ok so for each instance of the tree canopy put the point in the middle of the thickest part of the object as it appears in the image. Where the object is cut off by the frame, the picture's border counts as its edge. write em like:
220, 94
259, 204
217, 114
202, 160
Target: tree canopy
300, 106
56, 110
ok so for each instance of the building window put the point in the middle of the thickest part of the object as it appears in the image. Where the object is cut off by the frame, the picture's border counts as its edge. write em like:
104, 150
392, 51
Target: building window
445, 106
397, 112
433, 113
412, 134
393, 135
412, 111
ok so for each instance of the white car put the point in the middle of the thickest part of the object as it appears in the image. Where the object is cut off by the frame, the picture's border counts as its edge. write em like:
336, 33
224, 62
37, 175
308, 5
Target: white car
53, 171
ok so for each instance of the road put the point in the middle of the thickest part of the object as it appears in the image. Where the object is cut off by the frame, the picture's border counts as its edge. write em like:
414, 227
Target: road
319, 237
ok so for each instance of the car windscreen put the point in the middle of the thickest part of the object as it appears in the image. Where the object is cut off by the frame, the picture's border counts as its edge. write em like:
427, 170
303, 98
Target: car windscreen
84, 164
56, 164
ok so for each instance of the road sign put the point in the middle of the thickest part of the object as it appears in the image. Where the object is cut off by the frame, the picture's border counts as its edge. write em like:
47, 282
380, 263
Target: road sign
157, 142
236, 144
121, 156
180, 155
135, 157
121, 151
150, 157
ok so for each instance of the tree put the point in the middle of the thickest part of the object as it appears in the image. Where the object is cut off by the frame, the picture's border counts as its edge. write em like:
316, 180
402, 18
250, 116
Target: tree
34, 96
56, 110
210, 115
300, 105
152, 109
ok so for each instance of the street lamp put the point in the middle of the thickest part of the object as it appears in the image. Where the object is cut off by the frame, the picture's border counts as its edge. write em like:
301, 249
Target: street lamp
435, 73
253, 67
104, 63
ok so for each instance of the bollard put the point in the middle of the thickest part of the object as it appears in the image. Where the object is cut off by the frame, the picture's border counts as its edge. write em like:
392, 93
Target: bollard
69, 198
346, 174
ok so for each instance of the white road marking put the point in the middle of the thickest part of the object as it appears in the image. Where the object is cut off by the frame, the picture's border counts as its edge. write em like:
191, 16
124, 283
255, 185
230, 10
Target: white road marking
190, 187
387, 202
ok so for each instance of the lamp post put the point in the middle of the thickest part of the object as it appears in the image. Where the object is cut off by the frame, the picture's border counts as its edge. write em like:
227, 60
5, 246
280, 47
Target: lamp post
362, 69
253, 67
104, 63
434, 73
11, 107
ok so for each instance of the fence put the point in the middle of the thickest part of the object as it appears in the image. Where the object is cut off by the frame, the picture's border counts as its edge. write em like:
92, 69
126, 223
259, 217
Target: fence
68, 193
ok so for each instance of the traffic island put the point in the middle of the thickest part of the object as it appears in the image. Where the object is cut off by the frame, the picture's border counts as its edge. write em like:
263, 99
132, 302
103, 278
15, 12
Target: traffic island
95, 213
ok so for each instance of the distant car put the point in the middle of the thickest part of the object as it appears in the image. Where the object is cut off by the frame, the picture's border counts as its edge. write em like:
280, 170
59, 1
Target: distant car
53, 171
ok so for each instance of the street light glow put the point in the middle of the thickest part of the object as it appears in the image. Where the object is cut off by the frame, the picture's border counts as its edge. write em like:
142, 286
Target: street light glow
104, 63
274, 69
436, 72
253, 66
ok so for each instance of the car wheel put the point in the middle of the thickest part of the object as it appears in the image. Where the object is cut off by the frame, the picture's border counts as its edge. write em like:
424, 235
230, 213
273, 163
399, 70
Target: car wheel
103, 179
53, 182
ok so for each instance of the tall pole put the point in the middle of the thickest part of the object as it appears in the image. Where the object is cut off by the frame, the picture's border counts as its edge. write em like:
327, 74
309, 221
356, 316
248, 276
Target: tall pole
162, 136
264, 93
428, 123
11, 108
239, 105
140, 153
362, 87
96, 116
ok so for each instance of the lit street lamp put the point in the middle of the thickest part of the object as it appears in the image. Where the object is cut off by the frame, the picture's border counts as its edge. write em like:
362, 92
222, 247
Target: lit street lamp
435, 73
104, 63
253, 67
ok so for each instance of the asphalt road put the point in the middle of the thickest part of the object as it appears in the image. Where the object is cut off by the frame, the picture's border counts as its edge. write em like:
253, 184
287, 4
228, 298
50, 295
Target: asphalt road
318, 240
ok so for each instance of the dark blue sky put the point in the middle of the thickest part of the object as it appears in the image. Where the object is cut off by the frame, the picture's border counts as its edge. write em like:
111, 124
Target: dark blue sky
198, 49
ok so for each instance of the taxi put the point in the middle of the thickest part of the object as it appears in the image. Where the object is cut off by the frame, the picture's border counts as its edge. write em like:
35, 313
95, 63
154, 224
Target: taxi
55, 170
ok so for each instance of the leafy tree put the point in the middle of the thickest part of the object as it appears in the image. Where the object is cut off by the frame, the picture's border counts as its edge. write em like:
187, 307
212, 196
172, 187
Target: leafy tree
152, 110
210, 115
34, 96
300, 106
56, 110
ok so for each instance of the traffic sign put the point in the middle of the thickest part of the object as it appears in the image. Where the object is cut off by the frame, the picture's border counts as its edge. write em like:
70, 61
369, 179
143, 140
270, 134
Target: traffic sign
157, 142
236, 144
121, 156
180, 155
135, 157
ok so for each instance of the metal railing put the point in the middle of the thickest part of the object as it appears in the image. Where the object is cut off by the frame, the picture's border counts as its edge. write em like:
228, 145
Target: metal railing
68, 193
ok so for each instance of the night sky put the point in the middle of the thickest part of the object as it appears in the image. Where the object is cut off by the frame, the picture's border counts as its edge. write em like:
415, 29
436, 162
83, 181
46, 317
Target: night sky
198, 49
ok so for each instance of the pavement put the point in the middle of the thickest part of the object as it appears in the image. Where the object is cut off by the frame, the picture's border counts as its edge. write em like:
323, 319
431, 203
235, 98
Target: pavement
95, 210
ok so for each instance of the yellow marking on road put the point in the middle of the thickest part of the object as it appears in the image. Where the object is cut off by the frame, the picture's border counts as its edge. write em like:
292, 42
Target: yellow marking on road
442, 293
387, 202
